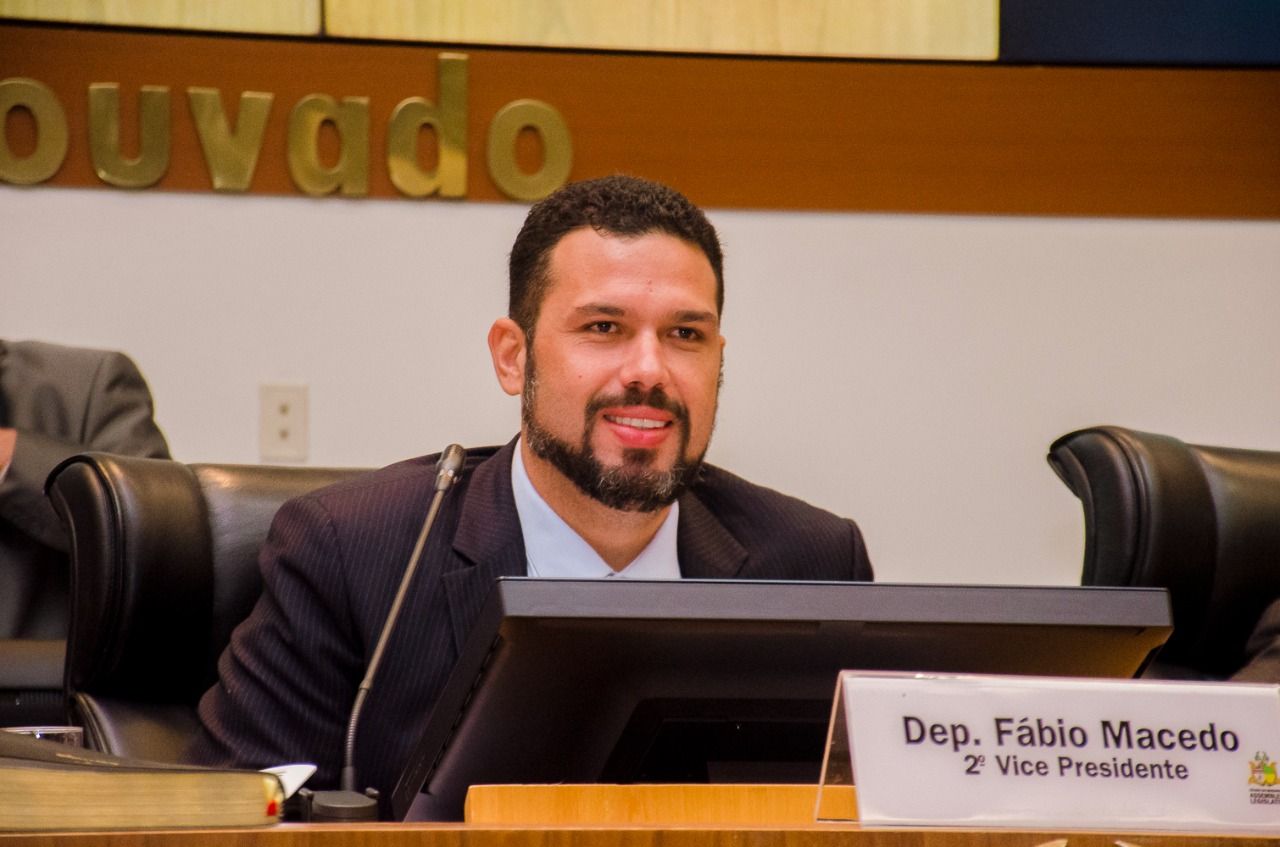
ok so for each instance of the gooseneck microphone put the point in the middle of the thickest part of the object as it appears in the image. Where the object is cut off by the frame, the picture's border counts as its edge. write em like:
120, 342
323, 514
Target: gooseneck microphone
348, 803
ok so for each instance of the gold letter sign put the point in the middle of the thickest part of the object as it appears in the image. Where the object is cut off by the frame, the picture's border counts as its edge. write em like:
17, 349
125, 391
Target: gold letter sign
351, 119
557, 149
449, 120
51, 131
104, 136
232, 150
231, 158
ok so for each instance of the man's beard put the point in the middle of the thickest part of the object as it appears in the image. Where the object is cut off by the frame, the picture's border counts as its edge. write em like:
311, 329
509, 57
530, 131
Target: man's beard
632, 486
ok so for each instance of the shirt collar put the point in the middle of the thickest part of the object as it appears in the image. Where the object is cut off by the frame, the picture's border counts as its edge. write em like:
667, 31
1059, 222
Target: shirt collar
554, 549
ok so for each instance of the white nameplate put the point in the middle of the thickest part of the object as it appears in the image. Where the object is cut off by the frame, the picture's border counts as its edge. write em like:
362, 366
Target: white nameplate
1018, 751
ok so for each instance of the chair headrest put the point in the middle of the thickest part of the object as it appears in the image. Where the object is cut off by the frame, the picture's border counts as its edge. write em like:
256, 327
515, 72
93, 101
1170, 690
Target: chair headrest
164, 565
1202, 521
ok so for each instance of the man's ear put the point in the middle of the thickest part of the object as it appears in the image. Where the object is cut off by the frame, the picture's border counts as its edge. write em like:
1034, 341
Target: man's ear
507, 347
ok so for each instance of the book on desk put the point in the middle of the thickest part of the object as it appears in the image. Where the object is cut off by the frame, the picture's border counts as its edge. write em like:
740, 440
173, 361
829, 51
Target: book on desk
46, 786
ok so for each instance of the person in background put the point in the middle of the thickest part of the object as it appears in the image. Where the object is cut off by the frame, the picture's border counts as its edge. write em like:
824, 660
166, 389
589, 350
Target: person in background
1263, 649
56, 401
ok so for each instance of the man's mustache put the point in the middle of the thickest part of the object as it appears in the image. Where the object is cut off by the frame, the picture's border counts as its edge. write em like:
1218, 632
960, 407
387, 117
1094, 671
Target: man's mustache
654, 398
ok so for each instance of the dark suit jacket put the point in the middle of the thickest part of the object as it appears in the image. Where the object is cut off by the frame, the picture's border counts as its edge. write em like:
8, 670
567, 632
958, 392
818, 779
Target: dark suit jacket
1263, 649
61, 400
333, 561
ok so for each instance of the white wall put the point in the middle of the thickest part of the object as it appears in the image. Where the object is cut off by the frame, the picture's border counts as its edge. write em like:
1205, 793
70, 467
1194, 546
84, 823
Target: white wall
908, 371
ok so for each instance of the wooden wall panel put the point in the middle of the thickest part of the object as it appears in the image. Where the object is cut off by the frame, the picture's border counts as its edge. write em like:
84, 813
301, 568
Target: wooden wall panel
279, 17
922, 29
737, 132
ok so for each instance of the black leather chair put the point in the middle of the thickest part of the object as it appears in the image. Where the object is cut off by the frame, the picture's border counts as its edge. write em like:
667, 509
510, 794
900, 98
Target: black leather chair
31, 681
1203, 522
163, 567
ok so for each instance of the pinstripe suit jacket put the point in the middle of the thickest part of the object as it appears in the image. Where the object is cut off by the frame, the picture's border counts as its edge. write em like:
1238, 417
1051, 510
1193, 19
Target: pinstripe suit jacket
332, 564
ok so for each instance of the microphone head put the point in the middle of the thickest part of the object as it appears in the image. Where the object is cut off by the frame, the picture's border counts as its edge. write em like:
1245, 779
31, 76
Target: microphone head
449, 466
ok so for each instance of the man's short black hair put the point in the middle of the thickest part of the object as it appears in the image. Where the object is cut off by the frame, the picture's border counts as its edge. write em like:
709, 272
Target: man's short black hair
616, 205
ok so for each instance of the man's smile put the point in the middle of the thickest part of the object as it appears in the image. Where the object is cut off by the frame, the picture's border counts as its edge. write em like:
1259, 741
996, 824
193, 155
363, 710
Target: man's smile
638, 423
639, 427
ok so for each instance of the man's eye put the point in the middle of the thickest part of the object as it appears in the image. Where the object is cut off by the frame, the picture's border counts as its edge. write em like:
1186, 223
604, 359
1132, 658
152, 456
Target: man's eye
602, 327
686, 333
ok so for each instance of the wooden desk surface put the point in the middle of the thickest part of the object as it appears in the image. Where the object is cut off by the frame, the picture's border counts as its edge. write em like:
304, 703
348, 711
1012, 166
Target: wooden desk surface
464, 835
632, 816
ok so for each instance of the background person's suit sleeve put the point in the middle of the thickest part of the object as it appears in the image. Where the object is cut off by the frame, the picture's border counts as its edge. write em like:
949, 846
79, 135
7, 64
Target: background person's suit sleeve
1263, 649
64, 401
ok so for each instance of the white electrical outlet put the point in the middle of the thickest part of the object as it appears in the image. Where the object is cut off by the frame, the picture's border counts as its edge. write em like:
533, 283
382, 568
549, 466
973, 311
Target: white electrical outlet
282, 423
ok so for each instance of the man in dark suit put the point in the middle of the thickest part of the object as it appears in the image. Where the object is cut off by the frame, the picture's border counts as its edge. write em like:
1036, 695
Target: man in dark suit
56, 401
613, 343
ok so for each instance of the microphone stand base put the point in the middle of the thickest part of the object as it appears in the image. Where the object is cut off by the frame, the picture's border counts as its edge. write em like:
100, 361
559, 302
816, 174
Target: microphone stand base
337, 806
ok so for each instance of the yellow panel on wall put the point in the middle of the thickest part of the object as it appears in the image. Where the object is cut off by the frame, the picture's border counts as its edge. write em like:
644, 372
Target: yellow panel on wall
279, 17
913, 29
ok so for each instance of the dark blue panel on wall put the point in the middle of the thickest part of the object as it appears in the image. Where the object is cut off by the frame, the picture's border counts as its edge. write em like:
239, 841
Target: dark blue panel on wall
1141, 32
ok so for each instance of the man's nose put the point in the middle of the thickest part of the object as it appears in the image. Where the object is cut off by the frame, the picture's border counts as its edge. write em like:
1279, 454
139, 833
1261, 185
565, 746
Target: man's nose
645, 364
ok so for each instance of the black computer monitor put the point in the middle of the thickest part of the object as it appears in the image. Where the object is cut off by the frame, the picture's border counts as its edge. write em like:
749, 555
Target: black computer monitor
727, 681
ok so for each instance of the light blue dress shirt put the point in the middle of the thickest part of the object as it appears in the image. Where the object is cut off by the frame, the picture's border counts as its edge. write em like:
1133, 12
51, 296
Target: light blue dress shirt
554, 550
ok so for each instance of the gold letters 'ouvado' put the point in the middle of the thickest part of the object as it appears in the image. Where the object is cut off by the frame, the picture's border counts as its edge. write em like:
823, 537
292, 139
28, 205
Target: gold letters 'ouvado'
231, 154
